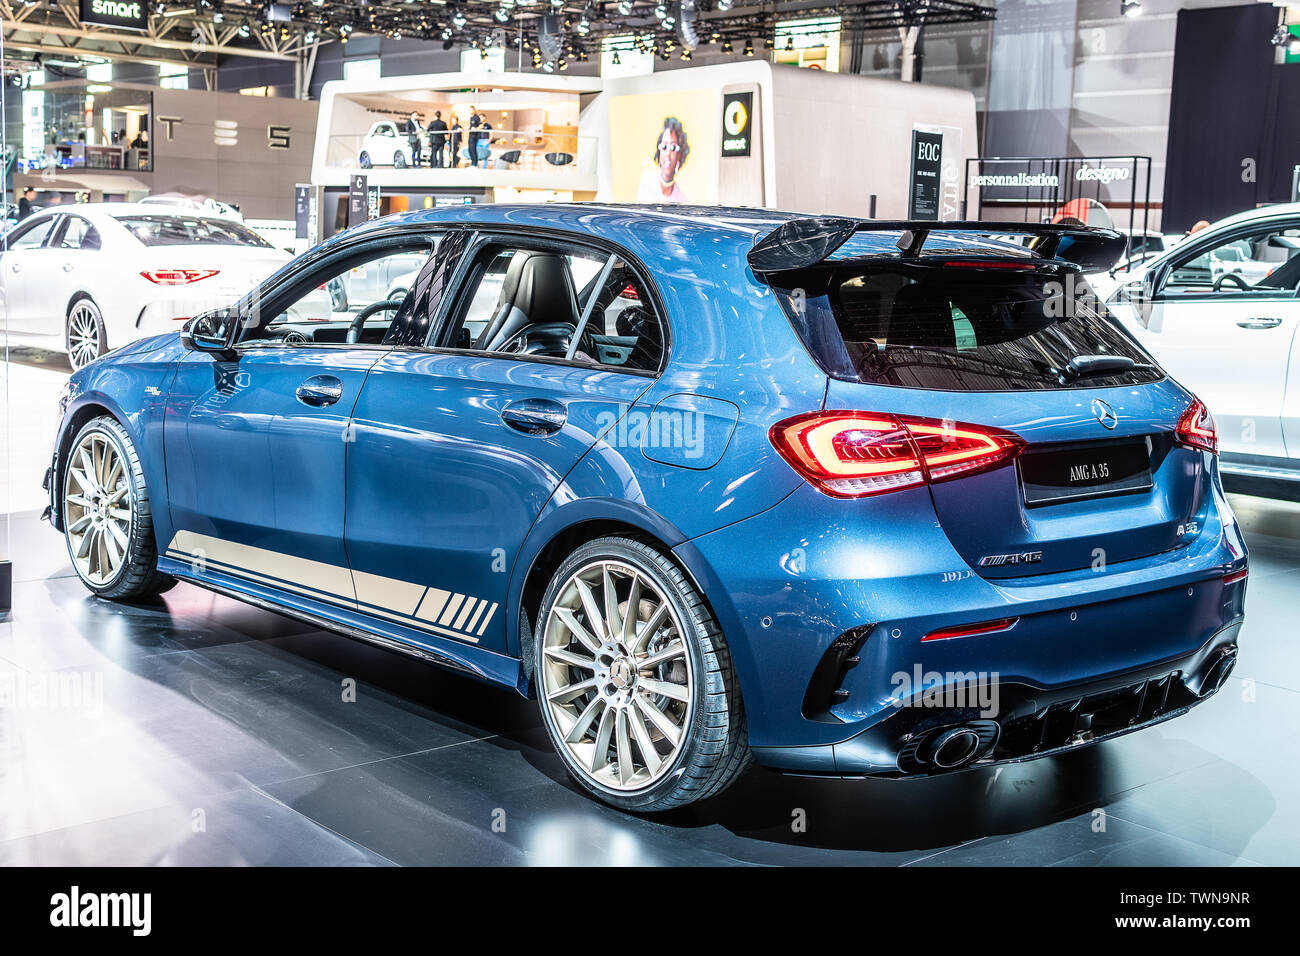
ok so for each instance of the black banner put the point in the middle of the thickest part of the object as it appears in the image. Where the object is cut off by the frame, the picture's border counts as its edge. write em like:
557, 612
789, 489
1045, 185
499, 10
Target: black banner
927, 165
119, 14
358, 200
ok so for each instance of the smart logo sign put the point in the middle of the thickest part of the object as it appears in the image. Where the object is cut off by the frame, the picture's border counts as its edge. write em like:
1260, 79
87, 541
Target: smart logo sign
737, 121
122, 14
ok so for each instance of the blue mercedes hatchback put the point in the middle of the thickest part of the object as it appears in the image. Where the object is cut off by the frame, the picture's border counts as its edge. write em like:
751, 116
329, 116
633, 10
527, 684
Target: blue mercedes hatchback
838, 496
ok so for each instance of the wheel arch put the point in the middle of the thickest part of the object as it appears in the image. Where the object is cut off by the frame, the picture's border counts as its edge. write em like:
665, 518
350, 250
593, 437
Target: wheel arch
558, 534
73, 424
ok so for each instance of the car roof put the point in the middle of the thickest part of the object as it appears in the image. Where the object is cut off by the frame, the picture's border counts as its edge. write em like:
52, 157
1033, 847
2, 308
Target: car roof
101, 209
1228, 223
671, 223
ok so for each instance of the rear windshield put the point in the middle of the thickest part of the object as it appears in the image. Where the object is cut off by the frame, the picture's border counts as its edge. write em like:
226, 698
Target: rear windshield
956, 329
187, 230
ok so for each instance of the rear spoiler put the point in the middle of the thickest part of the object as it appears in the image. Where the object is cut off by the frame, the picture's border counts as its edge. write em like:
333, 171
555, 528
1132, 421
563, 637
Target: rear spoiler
801, 243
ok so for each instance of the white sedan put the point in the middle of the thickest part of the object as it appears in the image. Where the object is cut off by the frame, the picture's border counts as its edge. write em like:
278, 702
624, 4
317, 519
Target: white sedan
89, 277
1220, 313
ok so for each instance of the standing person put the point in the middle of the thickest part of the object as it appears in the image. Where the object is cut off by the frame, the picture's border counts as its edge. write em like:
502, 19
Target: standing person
413, 130
485, 140
437, 139
475, 121
455, 142
25, 204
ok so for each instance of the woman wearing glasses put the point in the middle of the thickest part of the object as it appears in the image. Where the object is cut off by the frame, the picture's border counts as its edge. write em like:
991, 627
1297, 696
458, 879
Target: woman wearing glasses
659, 183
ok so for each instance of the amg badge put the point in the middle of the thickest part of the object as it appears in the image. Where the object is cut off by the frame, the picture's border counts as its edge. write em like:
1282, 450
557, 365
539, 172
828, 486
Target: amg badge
1000, 560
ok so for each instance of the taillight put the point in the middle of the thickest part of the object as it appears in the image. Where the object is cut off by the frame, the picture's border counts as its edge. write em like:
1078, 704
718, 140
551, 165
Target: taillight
1196, 428
178, 276
855, 454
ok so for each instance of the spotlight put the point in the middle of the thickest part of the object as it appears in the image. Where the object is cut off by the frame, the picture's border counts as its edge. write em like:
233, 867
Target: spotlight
749, 48
769, 44
458, 20
584, 26
789, 43
670, 22
243, 30
661, 11
617, 60
501, 14
726, 46
1281, 36
625, 8
686, 54
723, 5
1130, 8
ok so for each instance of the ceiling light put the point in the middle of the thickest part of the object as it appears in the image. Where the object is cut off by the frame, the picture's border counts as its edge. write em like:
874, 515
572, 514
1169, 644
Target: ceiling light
749, 48
1130, 8
723, 5
625, 7
458, 20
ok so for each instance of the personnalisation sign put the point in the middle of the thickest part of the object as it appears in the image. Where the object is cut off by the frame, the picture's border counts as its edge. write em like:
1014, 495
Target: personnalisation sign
737, 122
927, 163
120, 14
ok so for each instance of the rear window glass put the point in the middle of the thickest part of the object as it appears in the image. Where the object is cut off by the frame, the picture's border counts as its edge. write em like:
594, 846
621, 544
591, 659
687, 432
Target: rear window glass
956, 329
188, 230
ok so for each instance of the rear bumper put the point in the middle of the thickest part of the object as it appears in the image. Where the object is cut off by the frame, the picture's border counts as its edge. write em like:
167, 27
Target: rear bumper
1027, 722
826, 611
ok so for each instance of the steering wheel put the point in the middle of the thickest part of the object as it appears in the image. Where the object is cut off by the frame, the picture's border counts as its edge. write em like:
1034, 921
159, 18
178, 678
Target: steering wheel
1237, 280
359, 320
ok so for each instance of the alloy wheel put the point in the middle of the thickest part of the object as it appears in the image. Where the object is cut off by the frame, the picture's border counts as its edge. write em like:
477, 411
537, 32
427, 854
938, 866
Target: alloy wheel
616, 675
83, 334
98, 508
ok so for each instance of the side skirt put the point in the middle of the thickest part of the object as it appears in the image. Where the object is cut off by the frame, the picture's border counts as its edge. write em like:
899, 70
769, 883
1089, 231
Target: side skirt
485, 665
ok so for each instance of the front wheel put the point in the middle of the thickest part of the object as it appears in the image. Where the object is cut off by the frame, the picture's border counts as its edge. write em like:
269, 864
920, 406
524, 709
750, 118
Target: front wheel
86, 339
399, 159
107, 520
635, 681
365, 160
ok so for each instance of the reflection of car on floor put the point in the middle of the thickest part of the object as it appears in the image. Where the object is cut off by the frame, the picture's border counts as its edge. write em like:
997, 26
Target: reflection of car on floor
1220, 312
384, 145
837, 496
88, 277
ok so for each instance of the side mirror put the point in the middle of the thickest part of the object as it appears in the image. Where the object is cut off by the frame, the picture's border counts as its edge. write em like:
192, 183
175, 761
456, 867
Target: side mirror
210, 332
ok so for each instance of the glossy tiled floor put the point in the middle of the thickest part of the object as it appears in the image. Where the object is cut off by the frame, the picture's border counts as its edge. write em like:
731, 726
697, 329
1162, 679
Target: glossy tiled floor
214, 733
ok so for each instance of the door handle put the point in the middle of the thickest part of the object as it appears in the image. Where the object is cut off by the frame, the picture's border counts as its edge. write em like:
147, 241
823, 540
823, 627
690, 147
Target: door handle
534, 416
67, 267
320, 390
17, 267
1259, 323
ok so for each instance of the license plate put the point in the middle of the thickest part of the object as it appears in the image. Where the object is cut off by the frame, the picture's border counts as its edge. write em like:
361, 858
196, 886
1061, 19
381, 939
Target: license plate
1091, 470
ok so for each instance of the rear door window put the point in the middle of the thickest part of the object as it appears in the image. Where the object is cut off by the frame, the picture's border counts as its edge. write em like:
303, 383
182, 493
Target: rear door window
956, 329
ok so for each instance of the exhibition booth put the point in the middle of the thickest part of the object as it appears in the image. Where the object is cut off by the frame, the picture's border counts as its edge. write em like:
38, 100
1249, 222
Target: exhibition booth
744, 133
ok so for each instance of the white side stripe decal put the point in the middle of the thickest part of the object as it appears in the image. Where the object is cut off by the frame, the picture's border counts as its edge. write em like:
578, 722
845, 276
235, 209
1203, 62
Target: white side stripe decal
422, 608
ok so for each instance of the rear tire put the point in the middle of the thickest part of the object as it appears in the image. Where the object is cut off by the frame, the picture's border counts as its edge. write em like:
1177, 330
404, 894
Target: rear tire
640, 738
399, 159
85, 336
107, 519
364, 160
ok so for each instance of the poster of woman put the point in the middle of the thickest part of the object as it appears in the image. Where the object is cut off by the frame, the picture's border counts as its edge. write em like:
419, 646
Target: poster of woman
664, 147
672, 149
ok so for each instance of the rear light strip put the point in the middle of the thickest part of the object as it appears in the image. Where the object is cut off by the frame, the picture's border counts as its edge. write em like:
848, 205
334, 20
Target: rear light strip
848, 454
1235, 576
971, 630
178, 276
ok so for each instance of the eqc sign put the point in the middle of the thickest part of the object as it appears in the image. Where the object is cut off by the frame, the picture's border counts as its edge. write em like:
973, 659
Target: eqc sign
927, 161
122, 14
